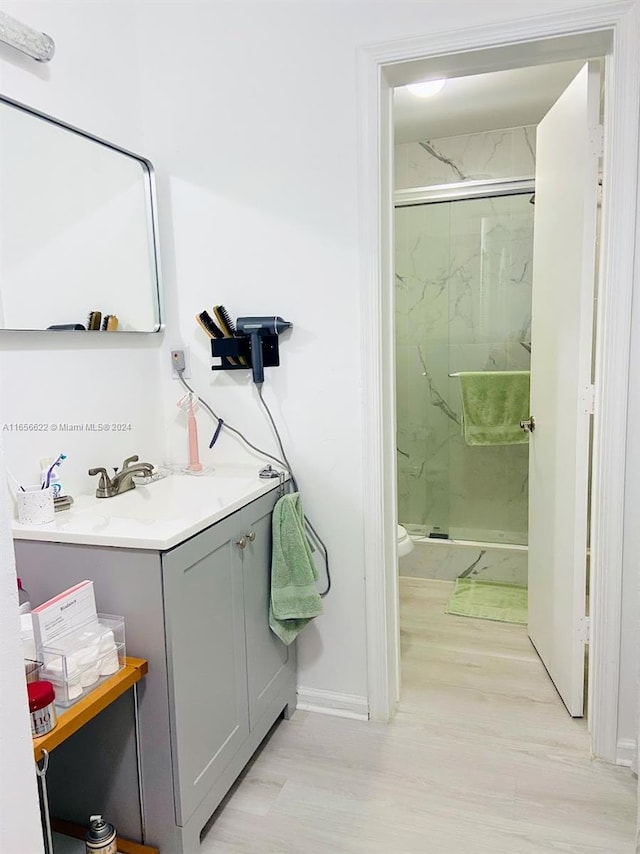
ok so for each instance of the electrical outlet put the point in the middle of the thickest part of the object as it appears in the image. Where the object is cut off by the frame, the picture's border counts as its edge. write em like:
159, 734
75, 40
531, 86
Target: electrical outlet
180, 364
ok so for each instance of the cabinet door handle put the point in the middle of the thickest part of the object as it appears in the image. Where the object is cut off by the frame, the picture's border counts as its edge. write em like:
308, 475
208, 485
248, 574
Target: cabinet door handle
251, 536
241, 543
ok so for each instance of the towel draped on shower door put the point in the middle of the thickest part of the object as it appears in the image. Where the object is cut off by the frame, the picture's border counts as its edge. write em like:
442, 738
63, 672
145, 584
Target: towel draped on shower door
493, 405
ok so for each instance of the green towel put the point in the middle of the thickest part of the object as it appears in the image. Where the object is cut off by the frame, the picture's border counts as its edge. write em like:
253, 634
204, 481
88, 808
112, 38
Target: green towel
493, 405
295, 600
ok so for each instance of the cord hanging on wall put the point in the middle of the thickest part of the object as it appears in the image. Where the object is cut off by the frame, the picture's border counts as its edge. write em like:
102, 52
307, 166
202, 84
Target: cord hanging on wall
248, 338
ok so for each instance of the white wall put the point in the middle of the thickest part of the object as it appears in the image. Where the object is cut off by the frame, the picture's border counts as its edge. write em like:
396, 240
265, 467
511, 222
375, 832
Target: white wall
92, 83
248, 111
19, 811
628, 723
252, 124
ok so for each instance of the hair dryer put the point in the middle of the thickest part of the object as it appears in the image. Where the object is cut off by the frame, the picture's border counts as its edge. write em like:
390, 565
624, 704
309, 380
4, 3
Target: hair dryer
255, 328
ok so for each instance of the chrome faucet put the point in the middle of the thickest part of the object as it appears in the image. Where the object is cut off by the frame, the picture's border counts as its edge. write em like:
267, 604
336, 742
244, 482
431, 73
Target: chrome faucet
123, 480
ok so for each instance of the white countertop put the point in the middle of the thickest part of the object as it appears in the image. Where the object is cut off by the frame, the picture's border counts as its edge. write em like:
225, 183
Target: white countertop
156, 516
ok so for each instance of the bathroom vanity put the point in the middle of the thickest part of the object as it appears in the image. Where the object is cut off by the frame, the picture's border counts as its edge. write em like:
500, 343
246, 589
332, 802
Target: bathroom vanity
187, 562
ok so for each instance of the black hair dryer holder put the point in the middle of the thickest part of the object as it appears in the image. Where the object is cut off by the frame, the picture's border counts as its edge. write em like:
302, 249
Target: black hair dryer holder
235, 353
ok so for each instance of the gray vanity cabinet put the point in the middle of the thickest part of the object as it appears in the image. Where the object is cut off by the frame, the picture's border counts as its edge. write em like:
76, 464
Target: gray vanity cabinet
267, 657
206, 659
218, 678
227, 670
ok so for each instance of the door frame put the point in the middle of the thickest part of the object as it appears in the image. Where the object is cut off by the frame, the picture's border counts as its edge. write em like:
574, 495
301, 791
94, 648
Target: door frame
612, 30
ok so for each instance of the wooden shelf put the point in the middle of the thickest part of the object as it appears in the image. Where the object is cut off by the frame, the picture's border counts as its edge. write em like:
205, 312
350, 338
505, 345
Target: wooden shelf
74, 718
67, 828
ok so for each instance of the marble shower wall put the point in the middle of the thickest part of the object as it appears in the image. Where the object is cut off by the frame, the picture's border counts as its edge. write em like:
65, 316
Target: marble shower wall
463, 302
447, 561
506, 153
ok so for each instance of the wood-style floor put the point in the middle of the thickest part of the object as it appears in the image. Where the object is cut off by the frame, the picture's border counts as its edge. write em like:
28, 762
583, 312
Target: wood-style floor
481, 758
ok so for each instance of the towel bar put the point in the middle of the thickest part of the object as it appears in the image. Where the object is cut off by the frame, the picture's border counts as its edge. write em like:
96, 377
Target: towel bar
457, 373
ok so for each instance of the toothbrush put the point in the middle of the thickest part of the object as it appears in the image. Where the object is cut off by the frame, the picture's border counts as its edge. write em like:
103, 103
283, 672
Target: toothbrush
186, 405
194, 459
15, 480
57, 462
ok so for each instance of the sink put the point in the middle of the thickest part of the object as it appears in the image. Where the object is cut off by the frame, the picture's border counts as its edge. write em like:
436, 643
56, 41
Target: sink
156, 515
178, 496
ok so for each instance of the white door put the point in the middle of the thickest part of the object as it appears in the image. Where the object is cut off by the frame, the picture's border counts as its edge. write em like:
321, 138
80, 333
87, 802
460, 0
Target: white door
562, 333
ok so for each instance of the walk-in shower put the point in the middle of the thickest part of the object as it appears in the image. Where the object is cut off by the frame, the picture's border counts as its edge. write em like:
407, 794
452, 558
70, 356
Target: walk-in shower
463, 303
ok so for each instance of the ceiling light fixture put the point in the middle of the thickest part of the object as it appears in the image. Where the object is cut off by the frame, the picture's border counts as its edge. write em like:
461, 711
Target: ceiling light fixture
427, 88
35, 44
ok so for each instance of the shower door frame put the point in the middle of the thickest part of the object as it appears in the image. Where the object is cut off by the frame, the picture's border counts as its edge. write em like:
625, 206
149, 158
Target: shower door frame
610, 30
457, 191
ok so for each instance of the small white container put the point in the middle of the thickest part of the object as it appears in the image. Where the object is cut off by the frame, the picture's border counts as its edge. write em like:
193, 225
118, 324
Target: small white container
83, 659
108, 652
88, 664
35, 505
65, 673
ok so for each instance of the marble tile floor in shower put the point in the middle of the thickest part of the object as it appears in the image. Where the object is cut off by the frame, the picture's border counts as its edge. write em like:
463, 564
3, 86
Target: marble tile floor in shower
480, 758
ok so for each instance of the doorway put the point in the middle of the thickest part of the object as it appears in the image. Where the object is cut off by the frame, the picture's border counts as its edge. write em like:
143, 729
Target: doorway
474, 292
471, 52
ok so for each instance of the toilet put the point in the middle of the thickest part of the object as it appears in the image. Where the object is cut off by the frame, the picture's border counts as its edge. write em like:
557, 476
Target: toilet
405, 543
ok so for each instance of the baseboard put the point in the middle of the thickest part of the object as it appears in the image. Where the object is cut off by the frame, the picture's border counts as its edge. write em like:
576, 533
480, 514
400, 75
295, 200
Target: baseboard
627, 753
333, 703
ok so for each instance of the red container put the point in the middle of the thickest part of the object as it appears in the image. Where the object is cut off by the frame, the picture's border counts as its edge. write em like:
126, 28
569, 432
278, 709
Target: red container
43, 712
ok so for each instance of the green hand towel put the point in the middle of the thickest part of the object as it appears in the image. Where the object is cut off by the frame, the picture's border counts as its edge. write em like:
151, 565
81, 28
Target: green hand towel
294, 596
493, 405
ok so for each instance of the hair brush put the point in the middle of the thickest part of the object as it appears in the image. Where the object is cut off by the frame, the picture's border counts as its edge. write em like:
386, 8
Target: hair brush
94, 319
227, 326
210, 328
109, 323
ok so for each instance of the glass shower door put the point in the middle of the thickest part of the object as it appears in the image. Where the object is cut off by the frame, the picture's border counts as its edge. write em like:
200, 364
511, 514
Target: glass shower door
463, 303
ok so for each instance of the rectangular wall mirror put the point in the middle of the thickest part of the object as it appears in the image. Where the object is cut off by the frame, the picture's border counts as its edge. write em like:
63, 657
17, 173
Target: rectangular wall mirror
78, 229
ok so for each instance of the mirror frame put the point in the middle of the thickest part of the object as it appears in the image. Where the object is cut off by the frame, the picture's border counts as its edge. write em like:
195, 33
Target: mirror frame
152, 213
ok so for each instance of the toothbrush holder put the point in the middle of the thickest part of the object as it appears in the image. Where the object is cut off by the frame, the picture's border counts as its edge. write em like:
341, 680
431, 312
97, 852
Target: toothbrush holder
35, 505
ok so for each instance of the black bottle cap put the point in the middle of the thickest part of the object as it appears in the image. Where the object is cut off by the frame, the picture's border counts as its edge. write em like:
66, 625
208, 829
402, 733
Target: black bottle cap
99, 829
